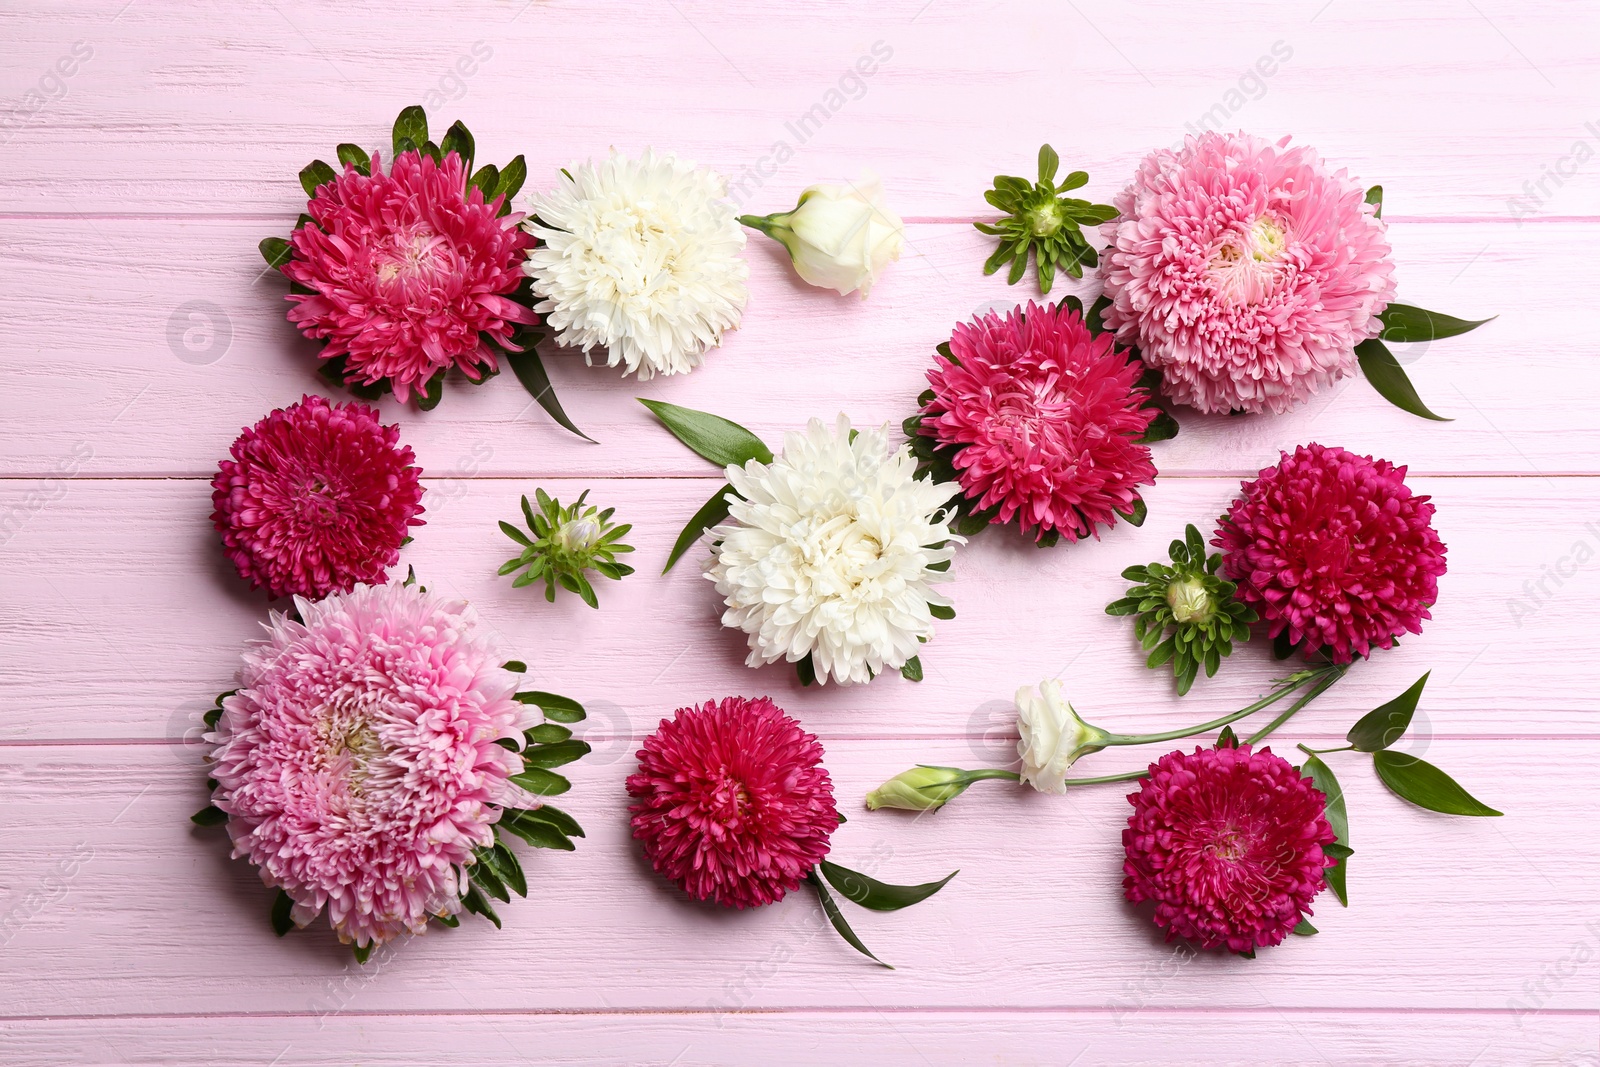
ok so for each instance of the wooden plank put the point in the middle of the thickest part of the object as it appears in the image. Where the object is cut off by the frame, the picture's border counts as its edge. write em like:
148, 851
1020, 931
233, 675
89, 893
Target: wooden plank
196, 338
121, 619
869, 1036
1454, 109
1445, 913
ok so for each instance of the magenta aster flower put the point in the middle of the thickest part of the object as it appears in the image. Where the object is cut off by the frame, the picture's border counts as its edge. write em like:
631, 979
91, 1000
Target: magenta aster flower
409, 273
1228, 843
1245, 272
1334, 550
1043, 421
316, 498
357, 762
732, 802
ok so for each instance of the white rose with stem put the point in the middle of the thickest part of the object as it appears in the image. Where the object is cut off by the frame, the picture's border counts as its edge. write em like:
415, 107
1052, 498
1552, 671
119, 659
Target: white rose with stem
839, 237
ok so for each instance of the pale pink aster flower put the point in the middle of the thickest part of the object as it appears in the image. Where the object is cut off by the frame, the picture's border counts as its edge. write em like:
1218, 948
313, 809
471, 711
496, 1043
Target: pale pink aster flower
357, 762
1245, 271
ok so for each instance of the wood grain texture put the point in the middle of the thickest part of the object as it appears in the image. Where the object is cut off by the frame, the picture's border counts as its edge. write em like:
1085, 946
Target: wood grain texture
149, 146
182, 617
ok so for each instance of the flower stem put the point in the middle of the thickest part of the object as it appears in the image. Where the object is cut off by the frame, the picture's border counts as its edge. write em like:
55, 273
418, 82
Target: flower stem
1332, 674
1289, 685
1324, 751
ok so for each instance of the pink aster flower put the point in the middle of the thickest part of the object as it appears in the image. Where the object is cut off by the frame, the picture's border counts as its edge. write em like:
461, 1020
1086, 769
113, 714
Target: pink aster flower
1044, 420
1228, 843
357, 762
1335, 550
410, 273
1245, 272
732, 802
316, 498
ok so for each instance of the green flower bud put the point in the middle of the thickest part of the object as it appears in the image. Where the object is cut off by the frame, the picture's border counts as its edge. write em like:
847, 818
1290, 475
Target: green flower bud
919, 789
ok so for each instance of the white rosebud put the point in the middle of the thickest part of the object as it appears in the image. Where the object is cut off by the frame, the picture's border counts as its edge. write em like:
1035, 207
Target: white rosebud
839, 237
1053, 737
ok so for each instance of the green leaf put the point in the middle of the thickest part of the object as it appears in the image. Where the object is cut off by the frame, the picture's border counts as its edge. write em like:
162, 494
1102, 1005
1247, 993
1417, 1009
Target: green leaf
879, 896
314, 175
1375, 196
506, 867
485, 180
1163, 652
410, 125
1389, 379
1322, 777
1049, 163
431, 393
1137, 514
1383, 726
515, 534
276, 251
556, 754
912, 672
457, 139
806, 670
559, 708
282, 913
1128, 605
210, 815
711, 512
540, 833
722, 442
831, 909
515, 666
551, 816
1161, 428
940, 611
1304, 928
362, 952
548, 733
355, 155
529, 370
447, 920
1402, 323
1076, 180
1425, 785
484, 877
473, 901
541, 782
511, 179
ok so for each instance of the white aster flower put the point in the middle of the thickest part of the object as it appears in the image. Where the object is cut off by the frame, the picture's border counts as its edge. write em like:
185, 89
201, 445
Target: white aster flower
640, 257
1053, 737
831, 553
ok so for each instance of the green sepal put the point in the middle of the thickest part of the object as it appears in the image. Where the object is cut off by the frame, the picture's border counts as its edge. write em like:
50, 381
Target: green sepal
541, 782
459, 140
362, 952
431, 393
210, 815
282, 914
515, 666
410, 127
276, 251
559, 708
1323, 779
1375, 197
555, 754
314, 175
806, 670
912, 671
1304, 928
473, 901
353, 155
527, 824
879, 896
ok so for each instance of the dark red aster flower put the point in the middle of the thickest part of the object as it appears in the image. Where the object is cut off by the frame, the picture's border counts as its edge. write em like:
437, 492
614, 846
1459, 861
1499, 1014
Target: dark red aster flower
1335, 550
732, 802
316, 498
1228, 843
1045, 419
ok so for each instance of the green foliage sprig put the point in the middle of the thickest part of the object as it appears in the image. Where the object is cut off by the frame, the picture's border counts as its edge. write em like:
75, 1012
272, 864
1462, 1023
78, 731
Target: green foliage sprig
1041, 221
1184, 613
564, 543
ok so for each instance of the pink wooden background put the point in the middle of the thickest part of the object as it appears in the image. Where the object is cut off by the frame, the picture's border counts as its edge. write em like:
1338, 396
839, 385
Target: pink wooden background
139, 335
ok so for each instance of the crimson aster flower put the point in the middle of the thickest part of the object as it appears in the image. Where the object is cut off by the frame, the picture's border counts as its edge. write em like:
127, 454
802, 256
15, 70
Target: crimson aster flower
1334, 550
409, 273
1245, 272
316, 498
732, 802
358, 763
1041, 420
1228, 843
